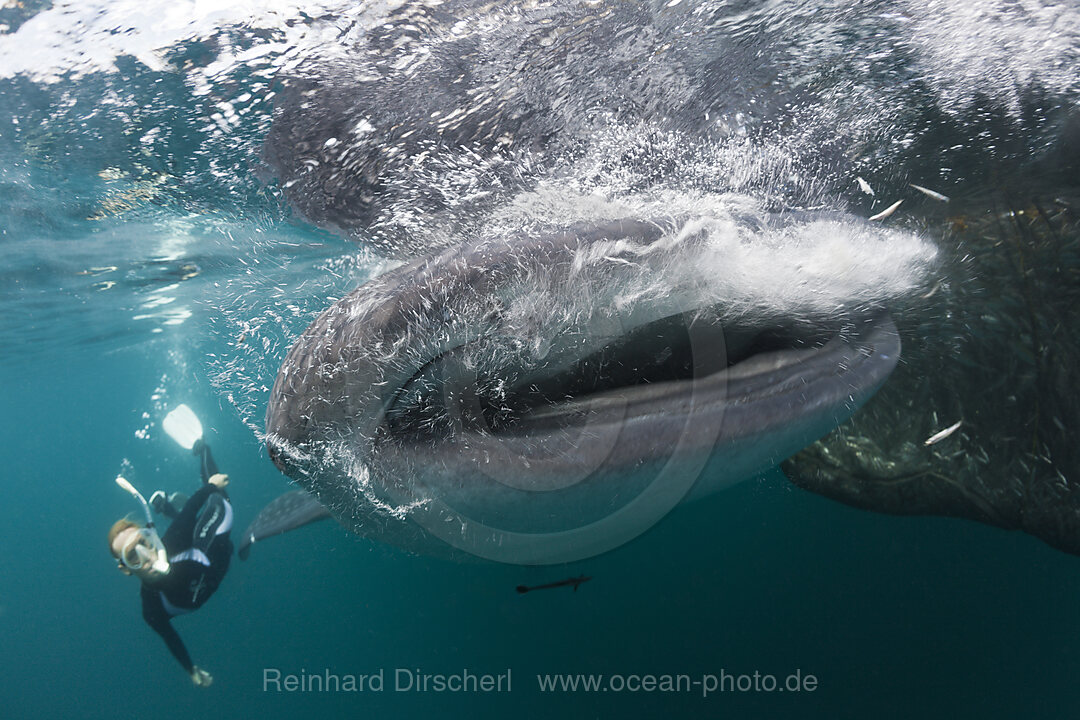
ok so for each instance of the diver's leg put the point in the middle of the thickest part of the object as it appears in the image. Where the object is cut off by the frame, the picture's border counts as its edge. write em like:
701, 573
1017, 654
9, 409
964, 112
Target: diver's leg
214, 519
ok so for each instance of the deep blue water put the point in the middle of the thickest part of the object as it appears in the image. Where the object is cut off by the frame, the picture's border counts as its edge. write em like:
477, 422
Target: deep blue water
149, 258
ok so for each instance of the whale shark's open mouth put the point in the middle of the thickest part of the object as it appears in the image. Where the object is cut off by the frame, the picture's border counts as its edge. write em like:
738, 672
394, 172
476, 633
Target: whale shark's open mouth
652, 370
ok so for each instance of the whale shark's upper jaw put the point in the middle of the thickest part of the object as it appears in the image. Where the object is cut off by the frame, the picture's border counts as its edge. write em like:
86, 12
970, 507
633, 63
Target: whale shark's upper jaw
434, 360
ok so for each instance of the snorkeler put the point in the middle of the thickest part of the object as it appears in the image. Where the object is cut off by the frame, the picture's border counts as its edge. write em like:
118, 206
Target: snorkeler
181, 569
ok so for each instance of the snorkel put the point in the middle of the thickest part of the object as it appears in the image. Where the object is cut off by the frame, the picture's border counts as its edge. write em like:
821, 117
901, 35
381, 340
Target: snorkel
156, 558
149, 551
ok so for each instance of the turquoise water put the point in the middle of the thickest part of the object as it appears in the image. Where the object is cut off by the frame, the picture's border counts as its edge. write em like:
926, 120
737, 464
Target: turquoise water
900, 617
149, 258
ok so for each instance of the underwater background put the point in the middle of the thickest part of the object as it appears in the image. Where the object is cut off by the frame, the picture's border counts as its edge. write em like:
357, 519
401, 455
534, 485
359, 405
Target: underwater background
150, 256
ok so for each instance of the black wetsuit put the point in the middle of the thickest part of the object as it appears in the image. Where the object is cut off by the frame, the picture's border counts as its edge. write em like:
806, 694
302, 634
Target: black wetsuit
199, 550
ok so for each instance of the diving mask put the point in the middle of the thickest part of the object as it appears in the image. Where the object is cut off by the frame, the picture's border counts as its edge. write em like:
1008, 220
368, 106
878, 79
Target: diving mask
144, 550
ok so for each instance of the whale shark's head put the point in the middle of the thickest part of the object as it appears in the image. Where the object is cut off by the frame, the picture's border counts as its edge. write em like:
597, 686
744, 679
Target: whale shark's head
546, 397
416, 138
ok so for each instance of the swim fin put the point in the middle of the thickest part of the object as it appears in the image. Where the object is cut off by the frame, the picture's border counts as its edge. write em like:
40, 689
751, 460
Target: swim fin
289, 511
183, 427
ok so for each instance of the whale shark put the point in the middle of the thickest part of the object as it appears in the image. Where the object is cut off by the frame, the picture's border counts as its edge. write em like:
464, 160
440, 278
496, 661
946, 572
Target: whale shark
543, 399
450, 138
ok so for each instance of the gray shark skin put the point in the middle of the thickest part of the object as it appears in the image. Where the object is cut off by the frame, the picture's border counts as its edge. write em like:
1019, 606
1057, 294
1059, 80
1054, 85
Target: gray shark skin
432, 116
418, 408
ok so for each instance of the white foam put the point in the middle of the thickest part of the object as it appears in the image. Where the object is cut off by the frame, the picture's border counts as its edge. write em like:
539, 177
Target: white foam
995, 47
88, 36
750, 261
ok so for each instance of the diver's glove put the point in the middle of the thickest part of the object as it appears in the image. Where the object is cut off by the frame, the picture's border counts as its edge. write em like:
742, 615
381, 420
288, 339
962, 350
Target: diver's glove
200, 677
219, 480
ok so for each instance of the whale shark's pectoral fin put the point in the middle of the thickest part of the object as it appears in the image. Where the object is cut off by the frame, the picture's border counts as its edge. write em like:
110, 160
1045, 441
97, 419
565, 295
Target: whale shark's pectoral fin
292, 510
859, 471
856, 470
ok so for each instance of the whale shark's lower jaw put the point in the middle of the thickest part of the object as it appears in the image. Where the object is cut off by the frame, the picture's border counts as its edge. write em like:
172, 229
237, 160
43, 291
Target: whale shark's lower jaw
425, 397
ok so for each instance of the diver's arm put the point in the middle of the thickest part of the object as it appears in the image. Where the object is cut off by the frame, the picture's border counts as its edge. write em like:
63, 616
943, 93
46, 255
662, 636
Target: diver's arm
207, 467
155, 616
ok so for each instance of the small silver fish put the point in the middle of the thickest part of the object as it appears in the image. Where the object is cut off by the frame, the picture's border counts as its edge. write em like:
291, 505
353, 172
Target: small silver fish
887, 211
939, 436
865, 186
931, 193
929, 295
